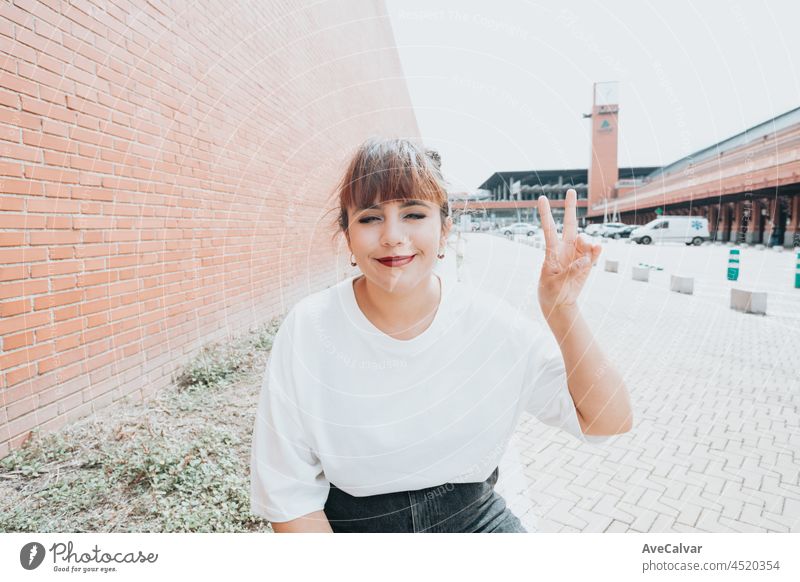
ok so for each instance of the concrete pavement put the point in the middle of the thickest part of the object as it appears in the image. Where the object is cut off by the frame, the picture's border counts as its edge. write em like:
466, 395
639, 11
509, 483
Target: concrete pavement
716, 395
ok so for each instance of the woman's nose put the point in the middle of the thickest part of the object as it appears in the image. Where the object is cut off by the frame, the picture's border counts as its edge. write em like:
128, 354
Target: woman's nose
393, 232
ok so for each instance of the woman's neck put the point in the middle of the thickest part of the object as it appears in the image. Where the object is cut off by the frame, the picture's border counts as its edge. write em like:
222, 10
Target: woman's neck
400, 315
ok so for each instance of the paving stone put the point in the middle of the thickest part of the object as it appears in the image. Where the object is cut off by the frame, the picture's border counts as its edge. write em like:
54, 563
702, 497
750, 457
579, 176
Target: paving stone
689, 512
779, 522
608, 507
716, 445
708, 520
617, 527
662, 524
740, 526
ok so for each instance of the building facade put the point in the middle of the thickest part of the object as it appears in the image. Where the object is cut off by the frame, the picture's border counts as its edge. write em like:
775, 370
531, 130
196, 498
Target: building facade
166, 177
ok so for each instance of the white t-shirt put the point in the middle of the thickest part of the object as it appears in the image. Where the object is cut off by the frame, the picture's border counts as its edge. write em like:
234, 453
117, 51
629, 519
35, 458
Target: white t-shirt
342, 402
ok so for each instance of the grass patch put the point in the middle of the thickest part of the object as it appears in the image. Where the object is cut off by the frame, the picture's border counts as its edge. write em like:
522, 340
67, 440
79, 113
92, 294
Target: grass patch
179, 462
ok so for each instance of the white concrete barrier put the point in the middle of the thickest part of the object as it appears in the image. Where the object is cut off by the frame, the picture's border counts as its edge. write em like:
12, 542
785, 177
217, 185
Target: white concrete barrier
681, 284
612, 266
641, 274
749, 301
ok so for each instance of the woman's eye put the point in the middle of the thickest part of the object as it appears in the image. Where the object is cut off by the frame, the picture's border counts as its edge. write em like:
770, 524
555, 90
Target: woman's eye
369, 219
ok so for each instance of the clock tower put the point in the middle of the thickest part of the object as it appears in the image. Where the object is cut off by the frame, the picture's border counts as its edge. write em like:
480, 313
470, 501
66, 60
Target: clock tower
604, 167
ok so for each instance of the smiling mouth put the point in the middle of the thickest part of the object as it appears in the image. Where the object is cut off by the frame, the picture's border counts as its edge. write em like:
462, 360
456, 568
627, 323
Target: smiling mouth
396, 261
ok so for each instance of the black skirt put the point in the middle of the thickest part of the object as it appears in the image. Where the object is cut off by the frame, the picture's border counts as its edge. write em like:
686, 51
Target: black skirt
446, 508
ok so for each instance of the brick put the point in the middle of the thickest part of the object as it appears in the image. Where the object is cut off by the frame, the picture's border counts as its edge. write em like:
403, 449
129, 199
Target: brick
20, 152
10, 133
57, 299
62, 390
25, 356
56, 190
24, 255
15, 170
60, 361
51, 174
21, 407
55, 238
49, 142
9, 99
20, 340
47, 109
16, 49
13, 273
22, 322
28, 187
9, 308
65, 313
12, 239
39, 9
20, 119
54, 206
59, 329
44, 77
21, 426
55, 268
20, 289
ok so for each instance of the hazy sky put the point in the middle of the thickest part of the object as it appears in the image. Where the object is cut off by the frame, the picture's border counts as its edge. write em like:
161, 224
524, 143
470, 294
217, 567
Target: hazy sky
501, 85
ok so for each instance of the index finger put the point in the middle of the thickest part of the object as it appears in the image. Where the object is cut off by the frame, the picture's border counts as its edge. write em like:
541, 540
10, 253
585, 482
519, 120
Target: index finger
570, 218
548, 225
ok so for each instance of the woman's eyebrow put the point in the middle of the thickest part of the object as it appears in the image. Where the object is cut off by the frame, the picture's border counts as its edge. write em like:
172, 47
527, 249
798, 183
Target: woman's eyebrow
405, 204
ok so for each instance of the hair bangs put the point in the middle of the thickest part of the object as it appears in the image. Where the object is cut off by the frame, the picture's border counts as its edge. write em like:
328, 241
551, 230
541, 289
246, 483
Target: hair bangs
391, 170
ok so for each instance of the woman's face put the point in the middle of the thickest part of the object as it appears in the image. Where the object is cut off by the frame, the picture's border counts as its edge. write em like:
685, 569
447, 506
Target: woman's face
409, 230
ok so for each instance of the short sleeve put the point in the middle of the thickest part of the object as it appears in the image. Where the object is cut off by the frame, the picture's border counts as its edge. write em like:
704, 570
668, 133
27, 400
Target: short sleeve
286, 477
546, 393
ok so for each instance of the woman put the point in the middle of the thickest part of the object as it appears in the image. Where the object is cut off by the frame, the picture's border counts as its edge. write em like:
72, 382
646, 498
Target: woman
390, 397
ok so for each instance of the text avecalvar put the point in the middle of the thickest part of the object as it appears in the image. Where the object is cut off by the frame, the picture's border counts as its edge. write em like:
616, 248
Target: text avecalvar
671, 549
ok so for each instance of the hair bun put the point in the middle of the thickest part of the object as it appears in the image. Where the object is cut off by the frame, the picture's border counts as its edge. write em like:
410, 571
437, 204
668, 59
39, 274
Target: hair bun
434, 155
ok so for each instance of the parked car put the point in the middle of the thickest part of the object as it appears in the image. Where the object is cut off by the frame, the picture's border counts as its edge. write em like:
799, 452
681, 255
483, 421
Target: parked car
560, 228
520, 228
483, 225
692, 230
620, 232
611, 229
593, 229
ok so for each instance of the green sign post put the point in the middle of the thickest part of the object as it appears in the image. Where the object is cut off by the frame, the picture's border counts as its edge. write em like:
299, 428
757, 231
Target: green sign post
797, 272
733, 265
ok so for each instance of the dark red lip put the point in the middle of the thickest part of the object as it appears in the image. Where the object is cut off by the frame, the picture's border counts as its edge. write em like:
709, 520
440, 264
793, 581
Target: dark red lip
398, 261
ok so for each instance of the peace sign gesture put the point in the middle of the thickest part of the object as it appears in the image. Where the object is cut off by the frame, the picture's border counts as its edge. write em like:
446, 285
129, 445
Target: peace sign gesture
567, 262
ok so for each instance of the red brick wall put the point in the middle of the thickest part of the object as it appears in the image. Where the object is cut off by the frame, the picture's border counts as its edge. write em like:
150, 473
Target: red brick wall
164, 175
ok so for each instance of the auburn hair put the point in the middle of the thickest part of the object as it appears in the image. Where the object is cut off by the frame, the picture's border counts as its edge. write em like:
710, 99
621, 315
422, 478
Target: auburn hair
391, 169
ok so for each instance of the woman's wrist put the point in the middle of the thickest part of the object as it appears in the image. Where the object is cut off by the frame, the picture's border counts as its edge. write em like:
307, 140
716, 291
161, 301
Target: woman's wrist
561, 318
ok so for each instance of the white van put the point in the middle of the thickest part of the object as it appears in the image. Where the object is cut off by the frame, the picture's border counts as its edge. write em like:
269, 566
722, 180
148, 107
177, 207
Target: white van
692, 230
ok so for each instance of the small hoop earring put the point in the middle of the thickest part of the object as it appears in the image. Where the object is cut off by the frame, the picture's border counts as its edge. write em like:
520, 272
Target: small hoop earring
352, 260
